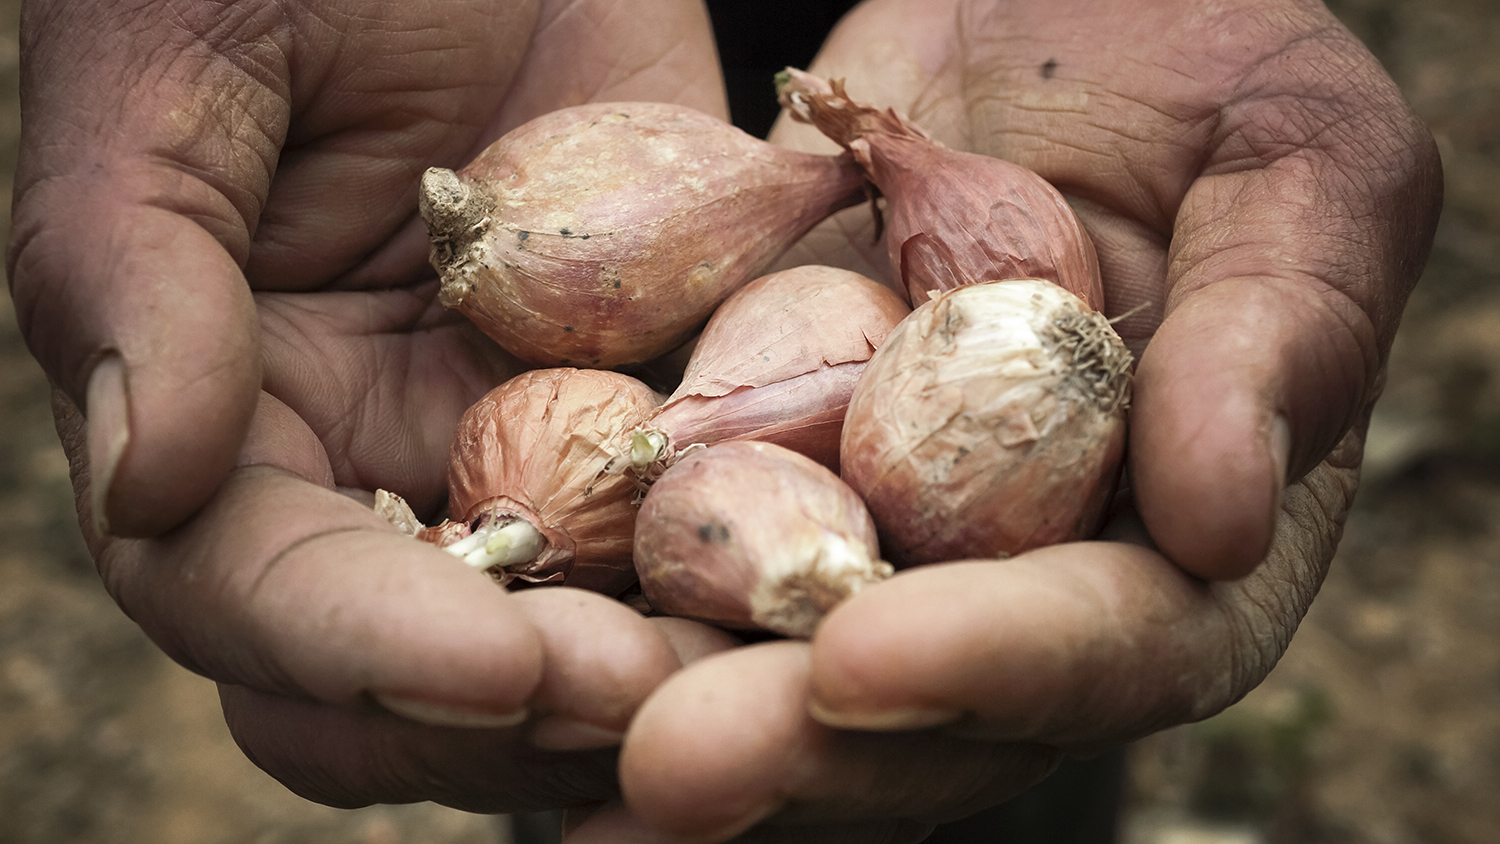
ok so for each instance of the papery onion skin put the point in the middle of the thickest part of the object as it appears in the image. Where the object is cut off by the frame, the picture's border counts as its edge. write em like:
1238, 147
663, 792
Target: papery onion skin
778, 362
752, 535
604, 235
993, 421
804, 413
394, 509
952, 217
534, 448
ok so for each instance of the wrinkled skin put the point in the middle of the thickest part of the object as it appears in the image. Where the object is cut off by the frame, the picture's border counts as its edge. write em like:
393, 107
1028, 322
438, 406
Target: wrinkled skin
217, 258
1262, 201
1251, 178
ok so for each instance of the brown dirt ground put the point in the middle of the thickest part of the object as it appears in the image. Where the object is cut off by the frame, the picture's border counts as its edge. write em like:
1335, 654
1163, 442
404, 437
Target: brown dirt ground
1381, 724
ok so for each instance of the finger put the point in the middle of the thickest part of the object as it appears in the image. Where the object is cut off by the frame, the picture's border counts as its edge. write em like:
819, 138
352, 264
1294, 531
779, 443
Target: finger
1292, 256
346, 758
153, 335
608, 51
288, 587
601, 661
1298, 198
1285, 288
727, 743
692, 640
615, 824
1083, 645
129, 227
379, 97
610, 823
280, 437
1232, 382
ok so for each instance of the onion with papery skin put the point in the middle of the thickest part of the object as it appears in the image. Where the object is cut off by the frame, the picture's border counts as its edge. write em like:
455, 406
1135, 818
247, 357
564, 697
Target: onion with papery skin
394, 509
951, 218
752, 535
777, 363
604, 235
991, 422
525, 475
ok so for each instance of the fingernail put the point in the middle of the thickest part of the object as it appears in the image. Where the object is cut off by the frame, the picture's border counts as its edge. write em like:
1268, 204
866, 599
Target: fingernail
884, 720
559, 733
1281, 449
449, 715
107, 426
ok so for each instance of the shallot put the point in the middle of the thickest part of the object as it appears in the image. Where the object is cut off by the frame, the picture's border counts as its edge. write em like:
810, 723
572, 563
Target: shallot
777, 363
605, 234
524, 477
747, 534
992, 421
951, 217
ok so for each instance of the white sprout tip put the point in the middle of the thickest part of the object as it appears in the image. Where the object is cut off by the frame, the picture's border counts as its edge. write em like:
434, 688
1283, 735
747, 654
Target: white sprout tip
501, 544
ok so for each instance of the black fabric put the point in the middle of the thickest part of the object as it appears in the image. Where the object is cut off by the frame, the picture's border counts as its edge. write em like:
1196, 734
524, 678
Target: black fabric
536, 827
757, 38
1079, 804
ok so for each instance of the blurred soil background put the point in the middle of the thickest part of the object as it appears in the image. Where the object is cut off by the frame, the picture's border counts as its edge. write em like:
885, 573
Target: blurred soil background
1380, 726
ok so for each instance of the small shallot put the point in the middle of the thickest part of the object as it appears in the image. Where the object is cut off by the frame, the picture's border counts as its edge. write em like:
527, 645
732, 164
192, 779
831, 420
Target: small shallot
604, 235
952, 217
992, 421
777, 363
750, 535
525, 479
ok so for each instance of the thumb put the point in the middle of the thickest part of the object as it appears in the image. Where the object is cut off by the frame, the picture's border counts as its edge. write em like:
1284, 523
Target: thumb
1284, 290
135, 196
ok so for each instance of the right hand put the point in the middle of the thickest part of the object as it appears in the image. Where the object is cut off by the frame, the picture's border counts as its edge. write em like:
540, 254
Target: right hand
1262, 201
217, 259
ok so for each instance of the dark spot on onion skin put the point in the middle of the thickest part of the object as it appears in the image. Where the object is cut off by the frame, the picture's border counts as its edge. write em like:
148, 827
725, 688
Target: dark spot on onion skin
567, 328
713, 532
1049, 67
565, 233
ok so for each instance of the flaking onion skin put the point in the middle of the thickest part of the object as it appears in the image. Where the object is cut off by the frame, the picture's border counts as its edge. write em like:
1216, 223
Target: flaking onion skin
747, 535
394, 509
531, 453
991, 422
604, 235
776, 363
951, 217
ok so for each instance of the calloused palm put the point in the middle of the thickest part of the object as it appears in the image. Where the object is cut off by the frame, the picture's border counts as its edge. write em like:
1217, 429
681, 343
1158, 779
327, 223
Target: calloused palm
1262, 201
217, 258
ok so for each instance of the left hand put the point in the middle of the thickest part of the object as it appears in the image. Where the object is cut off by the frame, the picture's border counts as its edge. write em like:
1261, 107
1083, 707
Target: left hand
218, 261
1253, 180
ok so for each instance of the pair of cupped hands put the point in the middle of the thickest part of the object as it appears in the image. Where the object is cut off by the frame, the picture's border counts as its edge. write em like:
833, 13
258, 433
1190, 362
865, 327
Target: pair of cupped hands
216, 257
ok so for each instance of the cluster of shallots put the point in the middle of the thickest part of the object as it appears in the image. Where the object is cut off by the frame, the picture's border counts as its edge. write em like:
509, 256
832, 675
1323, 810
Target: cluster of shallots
823, 429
